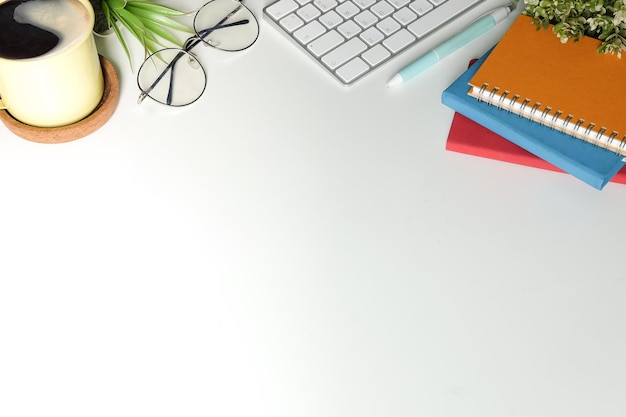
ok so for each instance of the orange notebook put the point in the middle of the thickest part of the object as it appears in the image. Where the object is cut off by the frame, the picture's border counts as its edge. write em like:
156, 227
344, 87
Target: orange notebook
569, 87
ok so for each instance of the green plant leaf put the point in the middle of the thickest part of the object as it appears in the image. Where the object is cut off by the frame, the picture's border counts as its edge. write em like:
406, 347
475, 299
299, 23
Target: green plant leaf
116, 4
156, 8
151, 24
166, 21
600, 19
158, 30
136, 27
130, 22
116, 30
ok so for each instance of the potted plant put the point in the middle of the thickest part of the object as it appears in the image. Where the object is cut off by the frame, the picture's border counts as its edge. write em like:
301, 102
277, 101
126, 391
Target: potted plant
604, 20
150, 23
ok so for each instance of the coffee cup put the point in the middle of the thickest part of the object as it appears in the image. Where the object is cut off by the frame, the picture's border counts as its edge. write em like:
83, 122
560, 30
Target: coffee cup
50, 71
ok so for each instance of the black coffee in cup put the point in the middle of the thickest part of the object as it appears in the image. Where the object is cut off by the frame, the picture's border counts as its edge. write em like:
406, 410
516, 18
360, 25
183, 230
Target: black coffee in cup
34, 28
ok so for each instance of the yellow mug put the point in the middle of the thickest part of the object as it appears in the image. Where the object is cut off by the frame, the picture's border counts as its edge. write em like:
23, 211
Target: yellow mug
59, 87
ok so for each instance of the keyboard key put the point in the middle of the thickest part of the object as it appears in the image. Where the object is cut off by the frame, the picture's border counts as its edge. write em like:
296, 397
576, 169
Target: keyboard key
325, 5
421, 7
372, 36
399, 3
382, 9
344, 53
399, 40
281, 8
349, 29
376, 55
366, 18
309, 31
291, 22
347, 9
388, 26
404, 16
352, 70
309, 12
331, 19
364, 4
325, 43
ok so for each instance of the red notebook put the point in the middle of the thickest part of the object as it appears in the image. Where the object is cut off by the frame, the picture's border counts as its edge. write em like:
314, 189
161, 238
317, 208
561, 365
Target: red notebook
468, 137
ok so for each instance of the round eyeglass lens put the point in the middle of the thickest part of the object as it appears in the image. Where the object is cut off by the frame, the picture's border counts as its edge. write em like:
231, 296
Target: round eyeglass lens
226, 25
172, 76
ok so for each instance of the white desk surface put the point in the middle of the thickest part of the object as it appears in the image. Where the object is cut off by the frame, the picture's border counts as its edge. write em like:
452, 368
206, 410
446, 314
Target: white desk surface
287, 247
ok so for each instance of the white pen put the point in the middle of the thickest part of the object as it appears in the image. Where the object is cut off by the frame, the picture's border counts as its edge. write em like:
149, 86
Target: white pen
433, 56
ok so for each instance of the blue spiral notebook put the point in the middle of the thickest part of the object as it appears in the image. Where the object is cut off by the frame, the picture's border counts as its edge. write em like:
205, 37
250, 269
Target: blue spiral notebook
587, 162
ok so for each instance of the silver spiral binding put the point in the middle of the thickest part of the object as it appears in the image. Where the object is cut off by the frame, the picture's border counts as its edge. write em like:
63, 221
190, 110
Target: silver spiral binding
523, 106
493, 92
567, 121
609, 142
578, 124
482, 91
599, 134
589, 129
533, 110
547, 116
544, 114
556, 116
503, 97
620, 149
513, 101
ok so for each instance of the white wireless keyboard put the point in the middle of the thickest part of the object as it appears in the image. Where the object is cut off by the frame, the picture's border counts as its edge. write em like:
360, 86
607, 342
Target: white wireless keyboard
350, 38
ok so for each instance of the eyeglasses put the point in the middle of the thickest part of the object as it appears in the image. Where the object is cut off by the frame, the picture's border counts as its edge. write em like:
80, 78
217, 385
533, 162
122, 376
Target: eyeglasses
174, 76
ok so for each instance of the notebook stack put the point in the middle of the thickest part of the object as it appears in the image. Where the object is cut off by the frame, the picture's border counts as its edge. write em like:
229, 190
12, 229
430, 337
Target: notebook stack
534, 101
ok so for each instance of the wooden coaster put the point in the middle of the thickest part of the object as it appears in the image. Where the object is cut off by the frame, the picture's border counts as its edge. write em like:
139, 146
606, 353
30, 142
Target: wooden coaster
84, 127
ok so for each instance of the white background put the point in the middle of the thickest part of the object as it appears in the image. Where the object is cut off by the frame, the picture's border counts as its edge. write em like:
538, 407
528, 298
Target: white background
289, 247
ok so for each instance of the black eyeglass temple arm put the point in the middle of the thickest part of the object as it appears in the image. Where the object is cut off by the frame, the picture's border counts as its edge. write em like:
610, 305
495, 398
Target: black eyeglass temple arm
169, 67
193, 41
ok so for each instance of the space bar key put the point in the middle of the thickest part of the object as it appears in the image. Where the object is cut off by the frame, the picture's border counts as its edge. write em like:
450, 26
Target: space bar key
440, 15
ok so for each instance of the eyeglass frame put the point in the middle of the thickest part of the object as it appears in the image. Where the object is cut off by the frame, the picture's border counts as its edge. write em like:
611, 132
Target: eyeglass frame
188, 45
